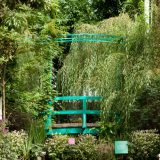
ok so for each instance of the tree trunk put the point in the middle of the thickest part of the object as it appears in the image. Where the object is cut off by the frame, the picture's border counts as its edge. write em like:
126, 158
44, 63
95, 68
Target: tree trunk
3, 83
3, 99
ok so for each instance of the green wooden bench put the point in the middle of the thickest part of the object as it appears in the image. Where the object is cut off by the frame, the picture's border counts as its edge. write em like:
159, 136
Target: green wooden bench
72, 128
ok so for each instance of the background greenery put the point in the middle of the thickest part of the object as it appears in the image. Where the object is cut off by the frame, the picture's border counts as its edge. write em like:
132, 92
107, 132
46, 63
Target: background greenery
33, 68
26, 59
125, 75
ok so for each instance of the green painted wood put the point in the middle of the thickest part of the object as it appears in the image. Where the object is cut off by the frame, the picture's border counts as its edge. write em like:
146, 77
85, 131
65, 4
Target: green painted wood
65, 112
65, 98
80, 130
91, 34
88, 40
82, 37
84, 117
87, 37
72, 130
48, 122
93, 131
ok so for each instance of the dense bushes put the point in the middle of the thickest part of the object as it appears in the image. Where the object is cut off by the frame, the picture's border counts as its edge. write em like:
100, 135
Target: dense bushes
15, 145
58, 148
144, 144
18, 145
25, 59
86, 147
22, 144
147, 106
11, 145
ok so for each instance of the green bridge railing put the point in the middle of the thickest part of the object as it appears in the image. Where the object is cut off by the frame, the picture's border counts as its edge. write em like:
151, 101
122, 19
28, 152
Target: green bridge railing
76, 128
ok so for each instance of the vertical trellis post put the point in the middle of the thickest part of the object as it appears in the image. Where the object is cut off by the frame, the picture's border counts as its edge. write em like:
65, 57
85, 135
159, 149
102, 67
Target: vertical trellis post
48, 122
84, 116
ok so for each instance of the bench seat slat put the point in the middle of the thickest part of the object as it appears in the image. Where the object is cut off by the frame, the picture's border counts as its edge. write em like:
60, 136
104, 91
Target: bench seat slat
67, 125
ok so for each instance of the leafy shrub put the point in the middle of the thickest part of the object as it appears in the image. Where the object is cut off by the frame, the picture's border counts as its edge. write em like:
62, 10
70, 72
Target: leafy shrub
37, 150
20, 145
86, 147
11, 145
145, 144
55, 146
147, 105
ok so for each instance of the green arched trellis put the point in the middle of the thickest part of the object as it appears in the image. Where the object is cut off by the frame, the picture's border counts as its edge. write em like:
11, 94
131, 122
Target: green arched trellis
84, 128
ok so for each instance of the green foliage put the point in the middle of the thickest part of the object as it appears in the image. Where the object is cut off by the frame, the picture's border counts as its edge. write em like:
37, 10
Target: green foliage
34, 144
21, 145
86, 147
24, 30
36, 132
97, 69
133, 7
74, 12
37, 151
147, 105
87, 61
11, 145
7, 46
56, 146
145, 144
119, 73
106, 8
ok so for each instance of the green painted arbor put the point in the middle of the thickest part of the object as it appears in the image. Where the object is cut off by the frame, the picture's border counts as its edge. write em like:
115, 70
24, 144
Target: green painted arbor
86, 37
83, 128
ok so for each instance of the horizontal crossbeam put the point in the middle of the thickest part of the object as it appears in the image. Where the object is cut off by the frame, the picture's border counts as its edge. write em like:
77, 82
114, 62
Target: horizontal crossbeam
87, 37
89, 34
65, 98
65, 112
80, 130
109, 40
